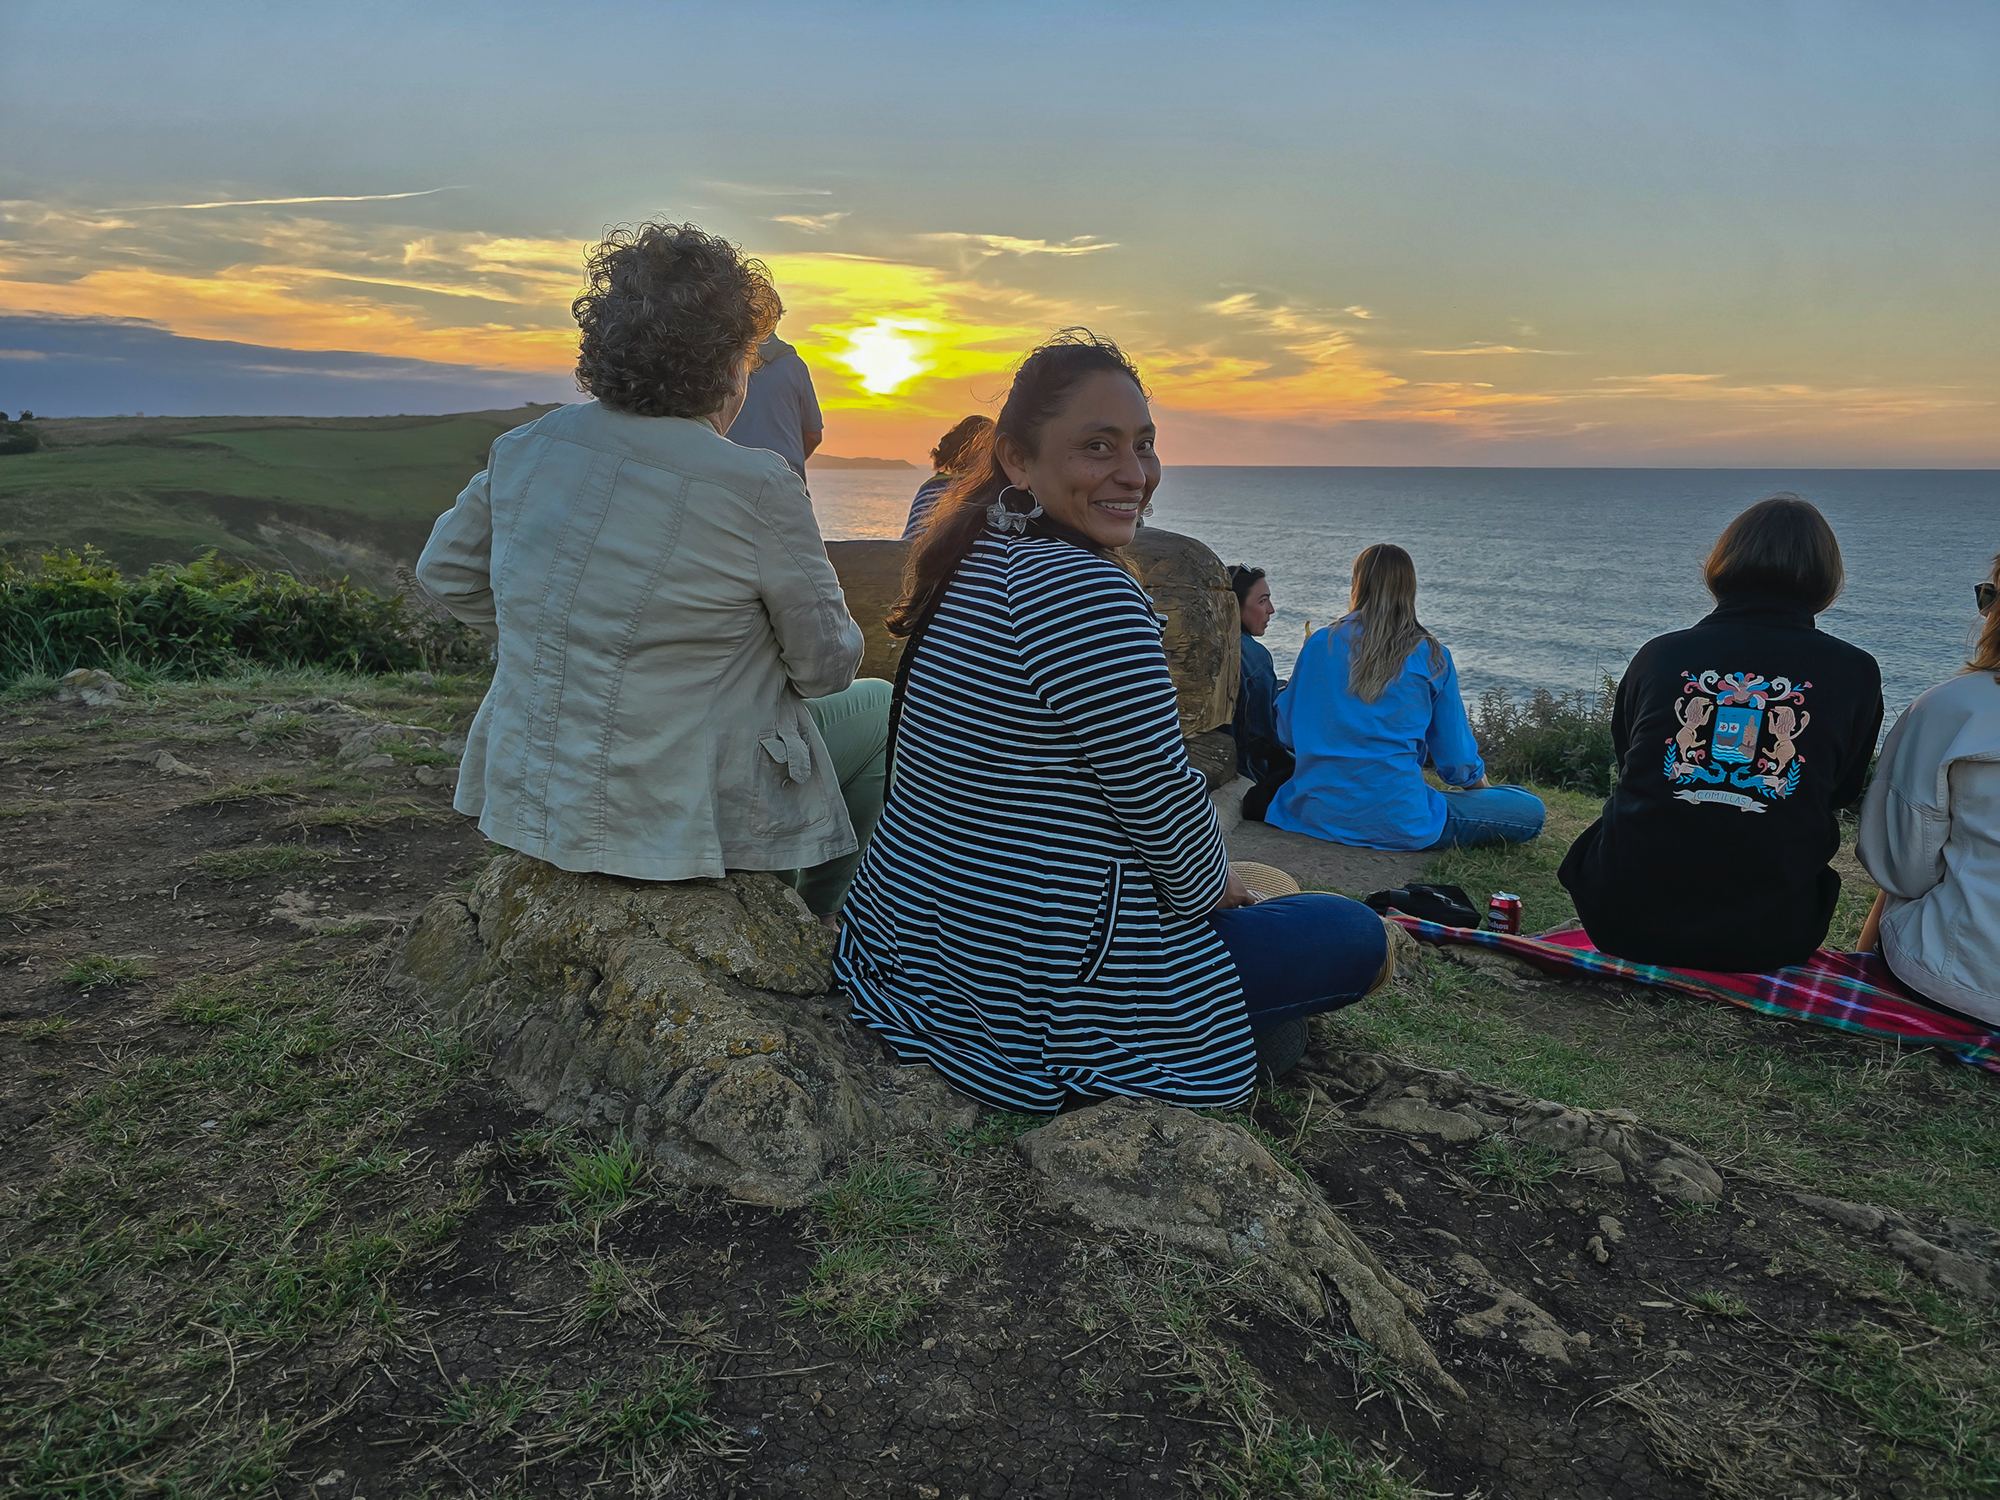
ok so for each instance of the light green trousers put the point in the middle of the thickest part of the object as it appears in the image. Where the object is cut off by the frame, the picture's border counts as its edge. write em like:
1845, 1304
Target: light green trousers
854, 723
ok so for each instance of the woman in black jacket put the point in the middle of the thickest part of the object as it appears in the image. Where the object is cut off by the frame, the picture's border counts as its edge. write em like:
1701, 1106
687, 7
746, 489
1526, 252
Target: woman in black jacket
1738, 742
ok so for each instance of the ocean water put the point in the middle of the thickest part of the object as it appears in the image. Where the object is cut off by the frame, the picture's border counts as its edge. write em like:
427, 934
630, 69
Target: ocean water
1553, 577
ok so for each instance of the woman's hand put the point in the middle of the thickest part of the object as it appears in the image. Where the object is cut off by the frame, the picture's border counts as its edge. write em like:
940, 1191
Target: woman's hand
1477, 786
1236, 893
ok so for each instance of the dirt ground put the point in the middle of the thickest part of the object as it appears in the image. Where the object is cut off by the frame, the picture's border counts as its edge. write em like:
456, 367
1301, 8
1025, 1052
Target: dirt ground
267, 1230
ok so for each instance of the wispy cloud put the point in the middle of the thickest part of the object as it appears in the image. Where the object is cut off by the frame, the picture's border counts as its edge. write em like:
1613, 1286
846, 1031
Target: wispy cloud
1358, 312
165, 208
987, 245
1480, 347
810, 223
1670, 378
763, 189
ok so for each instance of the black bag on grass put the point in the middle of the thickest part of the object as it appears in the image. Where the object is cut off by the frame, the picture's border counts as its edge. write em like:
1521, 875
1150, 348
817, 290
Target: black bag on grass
1447, 905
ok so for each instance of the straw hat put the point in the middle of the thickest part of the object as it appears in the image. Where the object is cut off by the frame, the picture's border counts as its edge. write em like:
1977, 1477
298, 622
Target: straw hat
1264, 881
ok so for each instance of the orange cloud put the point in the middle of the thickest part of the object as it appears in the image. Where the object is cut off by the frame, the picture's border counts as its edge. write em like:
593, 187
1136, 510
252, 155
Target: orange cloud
292, 307
906, 341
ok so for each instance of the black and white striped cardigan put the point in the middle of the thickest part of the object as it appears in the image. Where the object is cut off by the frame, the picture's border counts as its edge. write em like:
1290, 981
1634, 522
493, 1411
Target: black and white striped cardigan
1031, 915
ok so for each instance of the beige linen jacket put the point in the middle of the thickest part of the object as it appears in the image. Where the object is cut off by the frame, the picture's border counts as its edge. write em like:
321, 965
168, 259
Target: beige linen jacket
662, 606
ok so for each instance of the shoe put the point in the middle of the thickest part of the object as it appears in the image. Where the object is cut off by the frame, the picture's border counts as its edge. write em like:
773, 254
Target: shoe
1280, 1049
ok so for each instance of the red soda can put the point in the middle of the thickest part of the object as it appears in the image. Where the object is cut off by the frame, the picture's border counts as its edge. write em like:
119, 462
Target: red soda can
1503, 912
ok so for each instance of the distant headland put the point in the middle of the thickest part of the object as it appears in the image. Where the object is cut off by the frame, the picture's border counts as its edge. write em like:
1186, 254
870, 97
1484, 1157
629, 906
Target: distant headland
829, 461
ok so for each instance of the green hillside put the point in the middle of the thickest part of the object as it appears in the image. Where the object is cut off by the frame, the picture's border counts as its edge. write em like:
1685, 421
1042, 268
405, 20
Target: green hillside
315, 496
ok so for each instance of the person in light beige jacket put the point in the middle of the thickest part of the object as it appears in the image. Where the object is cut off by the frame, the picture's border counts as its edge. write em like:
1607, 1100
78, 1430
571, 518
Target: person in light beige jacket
662, 605
1930, 834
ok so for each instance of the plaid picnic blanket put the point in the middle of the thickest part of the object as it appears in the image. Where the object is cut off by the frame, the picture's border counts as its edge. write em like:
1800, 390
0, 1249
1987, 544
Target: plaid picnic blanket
1852, 991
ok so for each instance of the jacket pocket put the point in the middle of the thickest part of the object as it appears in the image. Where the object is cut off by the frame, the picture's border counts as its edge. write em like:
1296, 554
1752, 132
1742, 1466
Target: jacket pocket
1098, 949
786, 787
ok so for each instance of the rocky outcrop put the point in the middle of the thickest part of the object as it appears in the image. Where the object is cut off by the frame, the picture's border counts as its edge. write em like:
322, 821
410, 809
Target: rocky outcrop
1185, 579
1204, 634
1961, 1254
691, 1015
1607, 1144
1207, 1187
90, 688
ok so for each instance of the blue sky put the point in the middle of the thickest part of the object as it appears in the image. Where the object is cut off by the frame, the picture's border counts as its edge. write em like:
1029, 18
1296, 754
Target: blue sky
1417, 233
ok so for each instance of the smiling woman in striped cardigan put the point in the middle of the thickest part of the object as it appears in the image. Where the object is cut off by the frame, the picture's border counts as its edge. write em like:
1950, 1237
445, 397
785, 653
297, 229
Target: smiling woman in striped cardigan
1046, 912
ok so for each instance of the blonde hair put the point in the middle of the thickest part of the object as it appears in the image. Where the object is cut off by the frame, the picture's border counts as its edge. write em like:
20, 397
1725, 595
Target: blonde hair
1986, 652
1383, 603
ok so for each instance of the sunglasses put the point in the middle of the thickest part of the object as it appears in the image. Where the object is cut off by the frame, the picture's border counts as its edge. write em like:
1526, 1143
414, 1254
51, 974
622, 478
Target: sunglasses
1983, 594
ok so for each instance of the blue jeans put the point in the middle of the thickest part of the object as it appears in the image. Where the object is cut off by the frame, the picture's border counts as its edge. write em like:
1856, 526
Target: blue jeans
1491, 815
1299, 955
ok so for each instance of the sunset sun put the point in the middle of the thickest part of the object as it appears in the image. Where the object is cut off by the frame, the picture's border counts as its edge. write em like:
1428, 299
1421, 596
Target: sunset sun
884, 356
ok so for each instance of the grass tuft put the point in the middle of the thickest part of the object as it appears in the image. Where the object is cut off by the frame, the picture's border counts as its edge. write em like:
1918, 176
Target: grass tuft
596, 1182
105, 971
21, 900
1518, 1168
255, 861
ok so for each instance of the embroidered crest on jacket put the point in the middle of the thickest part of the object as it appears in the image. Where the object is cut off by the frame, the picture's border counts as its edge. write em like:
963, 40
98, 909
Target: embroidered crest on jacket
1737, 745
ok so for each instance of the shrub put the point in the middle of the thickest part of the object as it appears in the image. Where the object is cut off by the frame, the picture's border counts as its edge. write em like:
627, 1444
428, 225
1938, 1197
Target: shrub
208, 616
18, 437
1554, 740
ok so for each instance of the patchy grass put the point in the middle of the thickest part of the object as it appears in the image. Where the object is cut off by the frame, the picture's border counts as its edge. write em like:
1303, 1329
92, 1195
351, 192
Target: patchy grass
1284, 1459
644, 1428
997, 1130
1802, 1106
864, 1296
413, 753
105, 971
34, 807
889, 1241
277, 729
373, 814
1516, 1168
884, 1201
1178, 1315
1719, 1304
1932, 1392
616, 1290
187, 1225
255, 861
22, 900
285, 786
596, 1182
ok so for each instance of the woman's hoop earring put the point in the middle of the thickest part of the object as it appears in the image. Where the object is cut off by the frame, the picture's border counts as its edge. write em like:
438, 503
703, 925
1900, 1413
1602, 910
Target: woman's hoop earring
1000, 517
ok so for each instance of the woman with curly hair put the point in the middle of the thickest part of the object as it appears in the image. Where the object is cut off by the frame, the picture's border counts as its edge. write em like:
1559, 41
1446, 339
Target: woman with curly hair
673, 692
